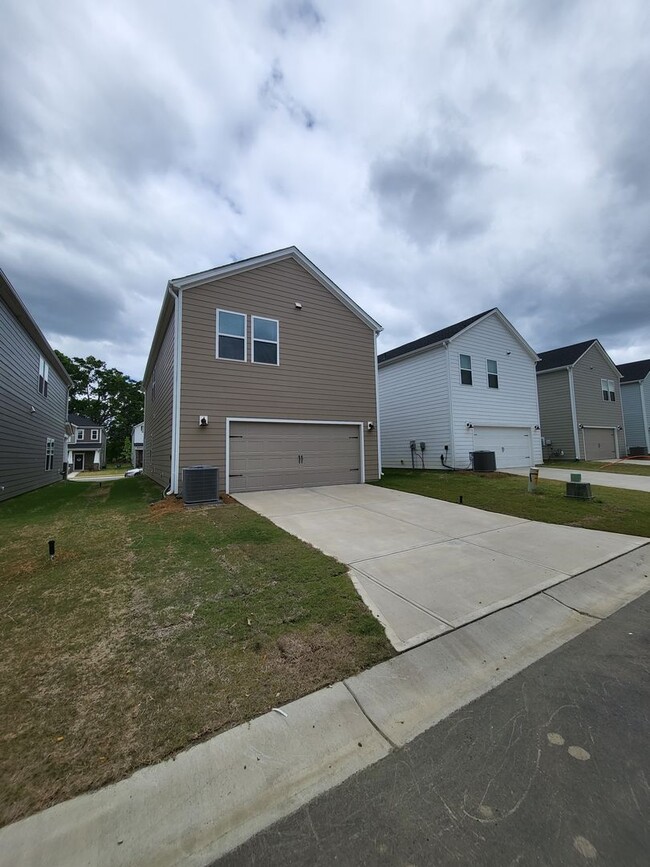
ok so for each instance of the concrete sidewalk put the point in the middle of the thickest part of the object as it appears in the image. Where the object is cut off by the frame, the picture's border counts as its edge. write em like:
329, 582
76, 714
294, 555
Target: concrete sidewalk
424, 566
191, 809
608, 480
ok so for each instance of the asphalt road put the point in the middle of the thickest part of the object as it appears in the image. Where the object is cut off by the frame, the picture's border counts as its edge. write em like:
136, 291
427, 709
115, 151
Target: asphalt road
550, 768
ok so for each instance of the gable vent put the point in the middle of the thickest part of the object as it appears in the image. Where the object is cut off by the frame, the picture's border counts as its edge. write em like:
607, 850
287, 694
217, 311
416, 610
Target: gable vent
200, 485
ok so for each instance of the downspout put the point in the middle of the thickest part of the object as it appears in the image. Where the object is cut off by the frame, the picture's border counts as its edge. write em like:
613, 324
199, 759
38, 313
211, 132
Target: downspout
176, 388
377, 411
574, 417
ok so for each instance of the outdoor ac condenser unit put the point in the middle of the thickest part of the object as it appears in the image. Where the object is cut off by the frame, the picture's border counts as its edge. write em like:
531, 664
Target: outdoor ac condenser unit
200, 485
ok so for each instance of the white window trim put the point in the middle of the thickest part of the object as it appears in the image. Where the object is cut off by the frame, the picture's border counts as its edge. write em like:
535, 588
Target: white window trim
49, 454
461, 369
236, 336
44, 374
94, 435
359, 424
489, 373
255, 340
609, 390
79, 436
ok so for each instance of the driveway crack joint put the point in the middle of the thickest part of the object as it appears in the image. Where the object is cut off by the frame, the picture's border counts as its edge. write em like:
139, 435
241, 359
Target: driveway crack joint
382, 734
571, 608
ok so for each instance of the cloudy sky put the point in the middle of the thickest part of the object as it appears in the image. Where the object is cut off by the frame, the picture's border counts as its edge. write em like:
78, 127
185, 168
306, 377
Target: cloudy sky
435, 159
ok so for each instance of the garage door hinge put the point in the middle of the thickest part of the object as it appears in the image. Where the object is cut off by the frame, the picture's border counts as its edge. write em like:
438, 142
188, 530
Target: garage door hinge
353, 438
235, 475
354, 470
236, 436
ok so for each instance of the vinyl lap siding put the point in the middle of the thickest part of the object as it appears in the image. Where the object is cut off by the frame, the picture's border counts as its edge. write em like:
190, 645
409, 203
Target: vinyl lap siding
326, 370
512, 404
591, 409
555, 413
23, 434
635, 432
414, 405
158, 413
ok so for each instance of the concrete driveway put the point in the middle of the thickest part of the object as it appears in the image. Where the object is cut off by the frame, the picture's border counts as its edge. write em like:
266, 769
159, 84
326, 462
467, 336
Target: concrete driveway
425, 566
609, 480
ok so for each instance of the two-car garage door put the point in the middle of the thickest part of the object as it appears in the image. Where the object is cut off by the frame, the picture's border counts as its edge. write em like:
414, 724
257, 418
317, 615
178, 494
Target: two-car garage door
271, 455
511, 445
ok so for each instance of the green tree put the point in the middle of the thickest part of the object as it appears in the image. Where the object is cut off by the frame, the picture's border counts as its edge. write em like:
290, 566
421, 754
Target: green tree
125, 454
107, 396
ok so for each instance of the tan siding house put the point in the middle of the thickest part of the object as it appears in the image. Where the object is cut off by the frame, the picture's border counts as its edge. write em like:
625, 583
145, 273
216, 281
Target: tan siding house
580, 403
267, 370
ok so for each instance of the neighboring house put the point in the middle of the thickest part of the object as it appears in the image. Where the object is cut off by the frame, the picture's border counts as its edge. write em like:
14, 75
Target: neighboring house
86, 444
580, 403
469, 387
137, 444
267, 370
33, 401
635, 398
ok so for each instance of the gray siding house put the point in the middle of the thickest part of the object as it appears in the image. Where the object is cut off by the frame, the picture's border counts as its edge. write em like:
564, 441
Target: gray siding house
635, 394
86, 444
580, 403
33, 401
267, 370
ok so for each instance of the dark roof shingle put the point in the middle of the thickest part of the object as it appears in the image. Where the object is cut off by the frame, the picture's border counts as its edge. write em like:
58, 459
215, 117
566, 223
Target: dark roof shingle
634, 370
563, 356
81, 420
431, 339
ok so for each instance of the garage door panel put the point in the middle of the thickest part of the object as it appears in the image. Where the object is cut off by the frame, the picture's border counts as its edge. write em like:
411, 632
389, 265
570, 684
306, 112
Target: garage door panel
512, 446
265, 455
600, 443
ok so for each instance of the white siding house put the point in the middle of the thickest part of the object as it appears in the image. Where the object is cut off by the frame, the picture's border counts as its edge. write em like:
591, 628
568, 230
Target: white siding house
469, 387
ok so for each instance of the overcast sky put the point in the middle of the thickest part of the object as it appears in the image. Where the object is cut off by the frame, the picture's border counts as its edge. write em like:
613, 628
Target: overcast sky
435, 159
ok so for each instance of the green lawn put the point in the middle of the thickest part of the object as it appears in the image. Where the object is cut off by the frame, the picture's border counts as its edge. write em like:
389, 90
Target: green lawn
612, 509
595, 466
154, 627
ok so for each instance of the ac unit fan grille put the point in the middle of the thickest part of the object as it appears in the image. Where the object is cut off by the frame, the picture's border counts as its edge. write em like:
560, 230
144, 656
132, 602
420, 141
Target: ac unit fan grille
200, 485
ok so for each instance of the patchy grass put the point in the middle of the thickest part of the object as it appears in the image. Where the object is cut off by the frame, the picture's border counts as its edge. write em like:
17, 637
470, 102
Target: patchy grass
154, 627
612, 509
622, 467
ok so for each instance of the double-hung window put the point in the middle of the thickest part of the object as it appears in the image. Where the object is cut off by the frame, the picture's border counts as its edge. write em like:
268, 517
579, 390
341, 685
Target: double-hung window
266, 341
231, 335
492, 374
43, 376
94, 435
49, 454
607, 388
80, 434
466, 369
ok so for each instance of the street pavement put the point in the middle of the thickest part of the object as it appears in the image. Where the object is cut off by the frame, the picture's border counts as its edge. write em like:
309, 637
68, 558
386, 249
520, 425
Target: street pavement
550, 768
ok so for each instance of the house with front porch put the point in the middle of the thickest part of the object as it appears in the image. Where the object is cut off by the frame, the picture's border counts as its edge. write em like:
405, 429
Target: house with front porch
86, 444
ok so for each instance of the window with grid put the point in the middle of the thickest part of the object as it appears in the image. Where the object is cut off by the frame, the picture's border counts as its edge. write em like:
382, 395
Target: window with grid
266, 341
607, 388
466, 369
80, 434
94, 435
43, 376
49, 454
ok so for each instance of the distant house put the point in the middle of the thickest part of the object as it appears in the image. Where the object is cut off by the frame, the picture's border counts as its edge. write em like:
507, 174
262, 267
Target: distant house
635, 397
465, 388
265, 369
580, 403
86, 444
137, 444
33, 401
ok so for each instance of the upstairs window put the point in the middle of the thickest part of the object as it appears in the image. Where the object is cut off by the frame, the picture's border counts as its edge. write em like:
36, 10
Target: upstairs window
43, 376
94, 435
231, 335
466, 369
607, 388
266, 341
80, 434
493, 374
49, 454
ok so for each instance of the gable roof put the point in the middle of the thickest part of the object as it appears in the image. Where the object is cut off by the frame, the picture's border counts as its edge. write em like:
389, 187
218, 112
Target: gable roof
14, 302
634, 371
181, 283
563, 356
448, 333
82, 420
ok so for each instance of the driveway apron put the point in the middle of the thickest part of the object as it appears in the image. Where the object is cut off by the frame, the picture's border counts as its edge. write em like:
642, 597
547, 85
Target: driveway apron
425, 566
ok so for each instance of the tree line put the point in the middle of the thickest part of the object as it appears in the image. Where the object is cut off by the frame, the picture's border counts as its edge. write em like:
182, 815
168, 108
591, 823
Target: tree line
107, 396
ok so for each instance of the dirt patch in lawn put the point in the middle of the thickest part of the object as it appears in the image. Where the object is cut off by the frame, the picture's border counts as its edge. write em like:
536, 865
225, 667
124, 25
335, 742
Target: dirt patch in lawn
155, 626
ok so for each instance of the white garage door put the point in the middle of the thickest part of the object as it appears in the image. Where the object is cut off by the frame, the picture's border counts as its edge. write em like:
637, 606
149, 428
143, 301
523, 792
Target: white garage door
511, 445
272, 455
